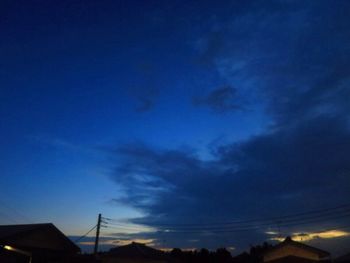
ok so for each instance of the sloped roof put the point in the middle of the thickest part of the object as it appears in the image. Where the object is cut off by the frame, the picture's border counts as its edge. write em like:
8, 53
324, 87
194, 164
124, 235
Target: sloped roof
136, 250
7, 231
288, 241
10, 234
293, 259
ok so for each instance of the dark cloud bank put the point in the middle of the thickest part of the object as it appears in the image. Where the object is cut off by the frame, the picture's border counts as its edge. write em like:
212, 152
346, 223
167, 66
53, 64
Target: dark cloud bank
301, 162
287, 171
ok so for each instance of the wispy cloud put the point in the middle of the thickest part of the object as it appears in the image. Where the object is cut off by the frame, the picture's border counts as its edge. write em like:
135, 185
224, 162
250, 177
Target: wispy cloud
220, 100
146, 99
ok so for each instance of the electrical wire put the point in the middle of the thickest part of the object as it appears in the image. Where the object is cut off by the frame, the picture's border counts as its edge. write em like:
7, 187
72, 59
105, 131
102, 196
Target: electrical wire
232, 230
322, 215
247, 228
88, 232
9, 218
16, 212
318, 212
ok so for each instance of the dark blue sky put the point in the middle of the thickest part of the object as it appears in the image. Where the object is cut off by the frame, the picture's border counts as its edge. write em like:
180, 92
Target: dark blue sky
175, 112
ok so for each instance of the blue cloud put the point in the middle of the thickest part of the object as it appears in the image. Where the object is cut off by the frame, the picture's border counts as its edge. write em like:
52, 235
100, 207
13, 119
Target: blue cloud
293, 61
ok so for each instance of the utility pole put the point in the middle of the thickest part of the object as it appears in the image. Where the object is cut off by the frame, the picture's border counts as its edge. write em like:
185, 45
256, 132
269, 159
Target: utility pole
97, 234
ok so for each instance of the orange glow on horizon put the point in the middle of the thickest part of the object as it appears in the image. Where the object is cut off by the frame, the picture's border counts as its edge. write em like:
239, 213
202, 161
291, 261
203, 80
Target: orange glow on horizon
307, 236
119, 242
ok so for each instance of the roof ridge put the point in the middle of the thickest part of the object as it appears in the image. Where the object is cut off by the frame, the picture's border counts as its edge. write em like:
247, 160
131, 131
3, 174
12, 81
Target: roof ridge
289, 241
34, 224
308, 246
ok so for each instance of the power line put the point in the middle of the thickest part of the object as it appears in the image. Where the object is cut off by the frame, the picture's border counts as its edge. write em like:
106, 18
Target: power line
236, 229
16, 212
129, 229
318, 215
290, 216
125, 225
298, 219
257, 227
10, 218
298, 215
267, 223
88, 232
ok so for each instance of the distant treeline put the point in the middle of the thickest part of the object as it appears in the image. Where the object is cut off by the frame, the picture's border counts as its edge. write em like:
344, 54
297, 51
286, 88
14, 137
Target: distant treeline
255, 255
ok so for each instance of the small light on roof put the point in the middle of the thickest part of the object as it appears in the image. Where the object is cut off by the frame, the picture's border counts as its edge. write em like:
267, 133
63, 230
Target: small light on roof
8, 247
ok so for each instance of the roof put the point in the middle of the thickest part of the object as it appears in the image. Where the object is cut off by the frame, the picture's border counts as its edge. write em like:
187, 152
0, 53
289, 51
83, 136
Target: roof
294, 259
136, 250
288, 241
15, 234
7, 231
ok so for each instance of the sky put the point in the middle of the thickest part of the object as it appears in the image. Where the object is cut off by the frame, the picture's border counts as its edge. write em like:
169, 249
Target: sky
185, 123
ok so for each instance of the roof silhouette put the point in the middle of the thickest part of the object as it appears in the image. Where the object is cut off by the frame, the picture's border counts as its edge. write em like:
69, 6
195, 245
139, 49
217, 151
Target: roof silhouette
15, 234
136, 250
289, 241
294, 259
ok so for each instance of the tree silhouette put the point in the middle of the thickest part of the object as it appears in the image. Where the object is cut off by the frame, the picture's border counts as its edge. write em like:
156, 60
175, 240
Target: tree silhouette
222, 255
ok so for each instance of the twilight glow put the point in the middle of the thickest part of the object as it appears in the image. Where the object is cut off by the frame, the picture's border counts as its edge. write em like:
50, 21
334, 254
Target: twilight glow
185, 123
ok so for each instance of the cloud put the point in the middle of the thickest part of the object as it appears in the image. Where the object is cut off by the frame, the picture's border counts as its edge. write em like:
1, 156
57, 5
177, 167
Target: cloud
210, 47
146, 99
146, 91
304, 237
298, 168
292, 61
313, 153
220, 100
